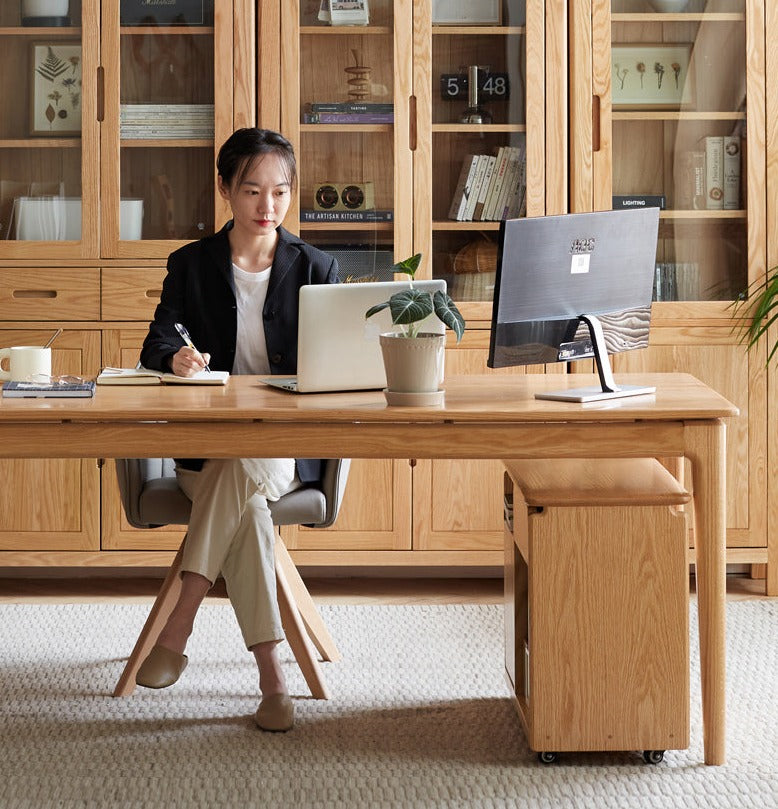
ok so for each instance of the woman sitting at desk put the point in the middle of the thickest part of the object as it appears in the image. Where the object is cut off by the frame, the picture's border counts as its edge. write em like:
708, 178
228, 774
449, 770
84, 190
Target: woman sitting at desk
236, 292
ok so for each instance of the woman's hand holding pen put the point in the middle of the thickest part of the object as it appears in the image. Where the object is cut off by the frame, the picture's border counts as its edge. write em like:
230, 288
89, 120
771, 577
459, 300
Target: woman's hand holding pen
188, 361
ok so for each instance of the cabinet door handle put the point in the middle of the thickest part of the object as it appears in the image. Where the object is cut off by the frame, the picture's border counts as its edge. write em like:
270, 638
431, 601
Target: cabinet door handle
34, 293
100, 93
412, 123
595, 123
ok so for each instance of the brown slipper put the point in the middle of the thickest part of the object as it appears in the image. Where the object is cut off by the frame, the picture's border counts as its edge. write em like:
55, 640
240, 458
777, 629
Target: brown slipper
161, 668
275, 713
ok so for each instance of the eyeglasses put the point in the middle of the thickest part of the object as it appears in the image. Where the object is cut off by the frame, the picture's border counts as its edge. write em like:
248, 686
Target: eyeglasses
47, 379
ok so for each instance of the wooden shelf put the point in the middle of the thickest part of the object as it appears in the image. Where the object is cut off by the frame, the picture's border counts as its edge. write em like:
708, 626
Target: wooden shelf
40, 143
166, 30
346, 30
479, 127
369, 226
676, 115
452, 225
166, 143
735, 214
679, 17
478, 30
68, 31
330, 128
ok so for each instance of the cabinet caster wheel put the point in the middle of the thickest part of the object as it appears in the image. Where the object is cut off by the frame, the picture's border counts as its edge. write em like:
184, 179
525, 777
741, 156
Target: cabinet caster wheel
547, 757
653, 756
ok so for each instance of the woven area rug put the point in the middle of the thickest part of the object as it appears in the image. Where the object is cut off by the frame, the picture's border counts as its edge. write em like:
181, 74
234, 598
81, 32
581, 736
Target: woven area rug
420, 717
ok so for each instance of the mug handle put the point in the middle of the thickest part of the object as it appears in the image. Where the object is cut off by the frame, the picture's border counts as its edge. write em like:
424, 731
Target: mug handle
5, 353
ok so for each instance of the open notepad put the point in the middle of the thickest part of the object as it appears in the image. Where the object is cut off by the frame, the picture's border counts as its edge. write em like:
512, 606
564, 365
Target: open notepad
145, 376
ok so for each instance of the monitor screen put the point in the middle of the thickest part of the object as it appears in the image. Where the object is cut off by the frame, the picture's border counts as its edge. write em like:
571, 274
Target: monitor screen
569, 285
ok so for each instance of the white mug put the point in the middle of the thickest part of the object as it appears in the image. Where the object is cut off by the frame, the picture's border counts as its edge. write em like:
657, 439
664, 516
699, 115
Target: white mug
25, 361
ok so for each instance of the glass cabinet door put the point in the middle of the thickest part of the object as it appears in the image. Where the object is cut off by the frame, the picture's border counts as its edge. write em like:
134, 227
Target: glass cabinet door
48, 130
346, 100
162, 66
479, 87
687, 117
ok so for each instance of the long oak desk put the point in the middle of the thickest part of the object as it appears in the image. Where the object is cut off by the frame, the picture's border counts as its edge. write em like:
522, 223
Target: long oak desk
492, 417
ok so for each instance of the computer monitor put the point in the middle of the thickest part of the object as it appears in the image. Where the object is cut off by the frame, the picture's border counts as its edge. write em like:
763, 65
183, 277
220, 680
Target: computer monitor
574, 286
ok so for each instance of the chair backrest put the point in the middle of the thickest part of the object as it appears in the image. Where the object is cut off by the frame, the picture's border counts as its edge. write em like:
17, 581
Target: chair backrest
151, 496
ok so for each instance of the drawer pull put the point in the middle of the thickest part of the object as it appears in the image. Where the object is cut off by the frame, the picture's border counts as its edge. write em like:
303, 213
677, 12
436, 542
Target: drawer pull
153, 293
34, 293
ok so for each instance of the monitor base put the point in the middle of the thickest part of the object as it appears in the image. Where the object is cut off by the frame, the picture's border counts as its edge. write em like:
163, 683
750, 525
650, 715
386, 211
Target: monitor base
594, 394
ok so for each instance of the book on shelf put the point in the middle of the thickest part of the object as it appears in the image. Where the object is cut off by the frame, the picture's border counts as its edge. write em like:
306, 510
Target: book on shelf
714, 172
53, 390
516, 198
348, 117
731, 172
376, 215
349, 106
146, 376
483, 190
627, 201
509, 183
478, 179
492, 180
461, 189
490, 208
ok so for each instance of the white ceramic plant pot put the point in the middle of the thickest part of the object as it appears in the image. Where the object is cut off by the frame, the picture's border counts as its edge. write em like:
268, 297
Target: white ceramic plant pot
414, 368
44, 8
668, 6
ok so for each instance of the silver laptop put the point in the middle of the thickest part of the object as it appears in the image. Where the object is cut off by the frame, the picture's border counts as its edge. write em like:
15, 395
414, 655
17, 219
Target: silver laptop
337, 347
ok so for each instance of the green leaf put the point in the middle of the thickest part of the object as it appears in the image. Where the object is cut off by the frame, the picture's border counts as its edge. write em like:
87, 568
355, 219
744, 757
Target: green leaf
410, 306
759, 304
447, 311
408, 266
373, 310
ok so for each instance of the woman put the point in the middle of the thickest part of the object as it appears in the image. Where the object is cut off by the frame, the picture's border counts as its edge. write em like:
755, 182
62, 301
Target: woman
236, 292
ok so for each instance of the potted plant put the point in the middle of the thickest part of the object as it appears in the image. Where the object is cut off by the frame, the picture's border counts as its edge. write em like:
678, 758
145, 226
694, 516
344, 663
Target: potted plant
761, 311
413, 359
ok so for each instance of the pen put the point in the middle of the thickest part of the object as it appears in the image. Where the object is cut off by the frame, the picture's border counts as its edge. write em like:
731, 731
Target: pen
181, 329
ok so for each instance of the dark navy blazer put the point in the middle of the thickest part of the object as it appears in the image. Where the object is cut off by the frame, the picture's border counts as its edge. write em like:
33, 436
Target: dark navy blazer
199, 292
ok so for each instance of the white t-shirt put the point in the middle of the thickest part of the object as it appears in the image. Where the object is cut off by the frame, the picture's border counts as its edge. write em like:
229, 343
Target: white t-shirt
250, 294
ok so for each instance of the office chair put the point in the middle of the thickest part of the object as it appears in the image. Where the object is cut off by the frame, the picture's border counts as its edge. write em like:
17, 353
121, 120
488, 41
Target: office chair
151, 498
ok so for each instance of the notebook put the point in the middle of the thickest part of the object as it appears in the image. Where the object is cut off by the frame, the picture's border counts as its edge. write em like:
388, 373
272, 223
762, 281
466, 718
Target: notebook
36, 390
145, 376
337, 347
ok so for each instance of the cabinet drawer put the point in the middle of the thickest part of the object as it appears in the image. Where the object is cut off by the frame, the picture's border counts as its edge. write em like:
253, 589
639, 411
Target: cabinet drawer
131, 293
64, 293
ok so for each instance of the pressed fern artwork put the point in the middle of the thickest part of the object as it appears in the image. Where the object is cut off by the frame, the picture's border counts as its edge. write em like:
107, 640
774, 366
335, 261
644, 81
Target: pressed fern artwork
56, 88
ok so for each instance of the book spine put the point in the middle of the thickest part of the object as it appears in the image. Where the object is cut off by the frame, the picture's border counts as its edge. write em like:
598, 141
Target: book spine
489, 171
492, 181
639, 201
731, 169
698, 180
348, 106
472, 199
714, 172
509, 184
502, 166
459, 188
348, 118
514, 203
347, 216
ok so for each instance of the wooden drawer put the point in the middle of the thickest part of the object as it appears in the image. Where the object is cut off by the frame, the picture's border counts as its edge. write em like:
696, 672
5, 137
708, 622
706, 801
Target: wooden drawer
55, 293
131, 293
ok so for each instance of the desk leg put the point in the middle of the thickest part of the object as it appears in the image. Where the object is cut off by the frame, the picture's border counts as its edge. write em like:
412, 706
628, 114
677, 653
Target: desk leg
705, 443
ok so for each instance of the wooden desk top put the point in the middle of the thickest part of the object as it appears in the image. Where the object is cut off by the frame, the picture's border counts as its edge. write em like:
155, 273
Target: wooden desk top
486, 398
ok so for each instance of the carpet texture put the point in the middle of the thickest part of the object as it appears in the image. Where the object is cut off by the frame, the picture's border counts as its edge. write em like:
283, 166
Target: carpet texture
420, 717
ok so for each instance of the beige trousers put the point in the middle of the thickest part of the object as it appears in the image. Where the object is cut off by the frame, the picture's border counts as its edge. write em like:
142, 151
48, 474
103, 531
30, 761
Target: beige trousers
231, 533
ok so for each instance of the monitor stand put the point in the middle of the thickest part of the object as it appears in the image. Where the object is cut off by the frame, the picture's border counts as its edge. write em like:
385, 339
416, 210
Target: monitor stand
608, 388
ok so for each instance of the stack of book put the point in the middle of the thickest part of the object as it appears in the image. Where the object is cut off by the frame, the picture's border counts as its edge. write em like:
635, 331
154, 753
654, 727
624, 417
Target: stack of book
491, 187
349, 112
150, 121
709, 177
